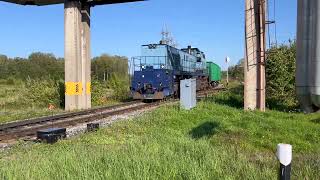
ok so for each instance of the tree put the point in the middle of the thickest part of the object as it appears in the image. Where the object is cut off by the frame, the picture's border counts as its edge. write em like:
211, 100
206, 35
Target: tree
105, 66
236, 72
280, 76
3, 59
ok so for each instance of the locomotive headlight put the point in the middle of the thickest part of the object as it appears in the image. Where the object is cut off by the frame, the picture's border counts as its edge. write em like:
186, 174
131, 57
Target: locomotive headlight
142, 76
162, 66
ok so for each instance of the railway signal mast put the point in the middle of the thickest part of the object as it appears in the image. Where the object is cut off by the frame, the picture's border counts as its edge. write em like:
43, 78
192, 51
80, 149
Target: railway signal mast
254, 66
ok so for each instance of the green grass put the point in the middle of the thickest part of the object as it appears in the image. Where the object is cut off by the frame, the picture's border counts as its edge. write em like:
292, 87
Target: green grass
14, 106
212, 141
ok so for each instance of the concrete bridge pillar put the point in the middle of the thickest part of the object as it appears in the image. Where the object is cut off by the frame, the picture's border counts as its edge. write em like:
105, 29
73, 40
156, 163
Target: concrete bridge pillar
77, 56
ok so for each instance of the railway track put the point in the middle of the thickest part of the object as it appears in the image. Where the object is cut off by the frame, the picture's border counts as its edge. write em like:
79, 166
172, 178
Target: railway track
209, 92
27, 129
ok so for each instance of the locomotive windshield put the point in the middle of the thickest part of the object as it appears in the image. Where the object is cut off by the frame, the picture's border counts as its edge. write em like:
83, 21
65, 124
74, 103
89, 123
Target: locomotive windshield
153, 56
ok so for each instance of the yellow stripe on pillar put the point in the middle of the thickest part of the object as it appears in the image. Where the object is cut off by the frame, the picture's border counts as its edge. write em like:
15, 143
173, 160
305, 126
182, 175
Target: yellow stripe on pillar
88, 88
73, 88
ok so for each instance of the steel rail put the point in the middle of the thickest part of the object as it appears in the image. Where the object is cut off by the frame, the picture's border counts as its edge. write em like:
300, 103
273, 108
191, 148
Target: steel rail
31, 130
16, 124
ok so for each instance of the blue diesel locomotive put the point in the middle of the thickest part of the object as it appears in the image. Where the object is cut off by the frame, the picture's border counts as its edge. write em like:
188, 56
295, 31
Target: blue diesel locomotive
159, 69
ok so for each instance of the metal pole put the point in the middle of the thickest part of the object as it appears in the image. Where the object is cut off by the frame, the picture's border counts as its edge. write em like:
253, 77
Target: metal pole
227, 74
227, 62
284, 154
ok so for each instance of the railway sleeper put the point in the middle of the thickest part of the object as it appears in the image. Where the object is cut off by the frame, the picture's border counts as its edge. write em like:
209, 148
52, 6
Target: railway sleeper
51, 135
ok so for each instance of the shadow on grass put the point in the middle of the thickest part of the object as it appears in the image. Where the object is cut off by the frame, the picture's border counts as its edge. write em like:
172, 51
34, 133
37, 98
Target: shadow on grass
316, 121
230, 101
277, 105
206, 129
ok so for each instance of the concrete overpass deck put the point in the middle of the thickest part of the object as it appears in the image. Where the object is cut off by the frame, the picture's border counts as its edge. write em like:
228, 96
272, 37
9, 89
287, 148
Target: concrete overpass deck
51, 2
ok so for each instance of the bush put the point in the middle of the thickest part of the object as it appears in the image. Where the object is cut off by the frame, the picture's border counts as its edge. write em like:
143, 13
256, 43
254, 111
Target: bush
280, 75
99, 93
10, 81
120, 87
236, 72
114, 90
41, 93
61, 91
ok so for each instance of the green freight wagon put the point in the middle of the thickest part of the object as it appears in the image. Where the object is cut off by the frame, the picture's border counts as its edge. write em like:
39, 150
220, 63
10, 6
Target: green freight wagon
214, 72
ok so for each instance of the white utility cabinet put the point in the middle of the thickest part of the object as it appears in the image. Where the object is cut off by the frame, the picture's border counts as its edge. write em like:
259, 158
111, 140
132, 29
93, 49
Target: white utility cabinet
188, 94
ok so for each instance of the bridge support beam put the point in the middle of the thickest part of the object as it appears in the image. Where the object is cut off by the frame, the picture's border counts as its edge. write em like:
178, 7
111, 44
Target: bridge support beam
77, 56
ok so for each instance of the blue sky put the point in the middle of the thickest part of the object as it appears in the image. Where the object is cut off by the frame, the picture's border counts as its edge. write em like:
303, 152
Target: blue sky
214, 26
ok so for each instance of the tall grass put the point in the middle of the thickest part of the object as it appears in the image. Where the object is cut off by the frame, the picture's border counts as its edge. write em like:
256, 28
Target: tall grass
31, 98
212, 141
21, 100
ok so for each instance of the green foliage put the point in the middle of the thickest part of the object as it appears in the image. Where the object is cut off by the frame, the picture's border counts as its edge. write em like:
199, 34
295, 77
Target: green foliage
116, 89
12, 96
10, 81
41, 93
120, 87
209, 142
27, 86
105, 66
47, 66
232, 96
43, 74
16, 105
61, 90
3, 59
37, 66
280, 75
99, 93
236, 72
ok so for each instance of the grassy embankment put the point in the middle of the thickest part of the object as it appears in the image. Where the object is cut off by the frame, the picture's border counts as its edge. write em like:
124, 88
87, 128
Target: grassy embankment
14, 104
22, 100
216, 140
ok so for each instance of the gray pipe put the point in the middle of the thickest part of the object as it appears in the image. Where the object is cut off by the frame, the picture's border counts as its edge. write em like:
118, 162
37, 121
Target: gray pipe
304, 53
314, 64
